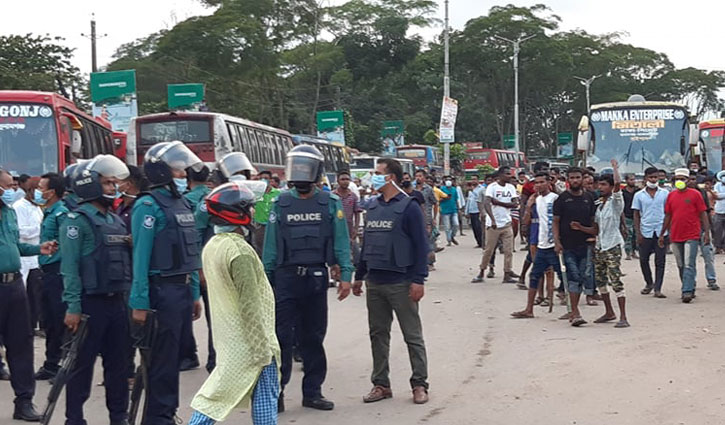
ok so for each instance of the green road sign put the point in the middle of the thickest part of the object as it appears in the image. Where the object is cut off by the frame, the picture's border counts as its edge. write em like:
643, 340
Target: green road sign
509, 141
112, 87
182, 96
565, 138
331, 126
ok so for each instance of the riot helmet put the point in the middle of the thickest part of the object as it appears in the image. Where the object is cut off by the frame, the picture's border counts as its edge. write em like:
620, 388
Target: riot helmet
198, 176
71, 170
305, 165
87, 182
162, 158
235, 163
231, 203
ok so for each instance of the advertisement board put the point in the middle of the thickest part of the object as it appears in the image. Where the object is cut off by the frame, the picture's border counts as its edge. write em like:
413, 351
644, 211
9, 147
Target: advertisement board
331, 126
114, 97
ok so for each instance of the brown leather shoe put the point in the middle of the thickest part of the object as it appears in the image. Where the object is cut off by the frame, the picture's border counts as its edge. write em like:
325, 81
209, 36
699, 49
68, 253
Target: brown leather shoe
378, 393
420, 395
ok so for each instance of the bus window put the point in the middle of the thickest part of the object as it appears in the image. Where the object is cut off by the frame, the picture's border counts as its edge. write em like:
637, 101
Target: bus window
271, 148
244, 138
236, 143
278, 149
264, 148
253, 151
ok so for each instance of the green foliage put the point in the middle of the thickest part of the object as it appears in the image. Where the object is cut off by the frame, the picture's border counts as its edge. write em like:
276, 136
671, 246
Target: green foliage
485, 169
430, 138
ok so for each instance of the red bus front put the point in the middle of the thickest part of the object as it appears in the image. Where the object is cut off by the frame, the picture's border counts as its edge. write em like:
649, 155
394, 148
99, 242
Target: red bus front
195, 130
479, 156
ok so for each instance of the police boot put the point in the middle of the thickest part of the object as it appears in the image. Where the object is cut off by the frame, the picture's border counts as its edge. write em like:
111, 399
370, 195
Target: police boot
280, 402
121, 422
25, 411
319, 403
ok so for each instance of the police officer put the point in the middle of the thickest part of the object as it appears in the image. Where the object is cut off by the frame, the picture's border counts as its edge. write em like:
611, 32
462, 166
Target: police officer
15, 330
306, 233
96, 269
165, 254
70, 200
51, 188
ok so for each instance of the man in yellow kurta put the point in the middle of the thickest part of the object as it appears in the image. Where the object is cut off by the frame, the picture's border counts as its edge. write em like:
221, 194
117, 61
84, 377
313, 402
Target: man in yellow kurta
242, 310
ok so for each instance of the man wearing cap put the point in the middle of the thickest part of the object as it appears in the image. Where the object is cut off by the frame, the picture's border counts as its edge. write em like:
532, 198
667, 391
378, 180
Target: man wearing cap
718, 219
685, 219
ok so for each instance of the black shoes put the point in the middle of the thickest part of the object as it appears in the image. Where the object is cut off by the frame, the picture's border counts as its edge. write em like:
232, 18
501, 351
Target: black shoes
189, 364
25, 411
44, 374
280, 402
319, 403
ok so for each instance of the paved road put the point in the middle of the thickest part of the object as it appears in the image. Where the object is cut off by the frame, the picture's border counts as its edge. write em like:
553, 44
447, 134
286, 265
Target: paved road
668, 368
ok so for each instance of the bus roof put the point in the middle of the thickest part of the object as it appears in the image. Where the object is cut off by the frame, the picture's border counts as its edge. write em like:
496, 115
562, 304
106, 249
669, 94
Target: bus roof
55, 99
712, 123
414, 146
636, 104
163, 116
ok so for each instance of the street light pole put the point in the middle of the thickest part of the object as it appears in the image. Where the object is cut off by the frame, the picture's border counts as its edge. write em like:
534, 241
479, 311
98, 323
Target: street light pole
446, 87
587, 82
517, 48
93, 37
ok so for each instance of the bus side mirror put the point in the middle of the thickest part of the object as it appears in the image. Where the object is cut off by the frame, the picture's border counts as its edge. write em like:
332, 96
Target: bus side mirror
682, 145
76, 143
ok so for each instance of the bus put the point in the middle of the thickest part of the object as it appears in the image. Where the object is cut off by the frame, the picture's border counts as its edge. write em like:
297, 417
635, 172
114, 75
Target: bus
210, 136
363, 167
638, 134
42, 132
421, 155
712, 136
336, 156
496, 158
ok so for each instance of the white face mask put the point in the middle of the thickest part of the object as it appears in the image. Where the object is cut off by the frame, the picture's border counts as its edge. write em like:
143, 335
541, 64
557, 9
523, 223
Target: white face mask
449, 183
652, 185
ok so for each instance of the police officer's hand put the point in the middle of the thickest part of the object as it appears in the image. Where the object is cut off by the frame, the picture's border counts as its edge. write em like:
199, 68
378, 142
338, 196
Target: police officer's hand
343, 290
72, 320
357, 288
48, 248
196, 314
335, 272
139, 316
416, 292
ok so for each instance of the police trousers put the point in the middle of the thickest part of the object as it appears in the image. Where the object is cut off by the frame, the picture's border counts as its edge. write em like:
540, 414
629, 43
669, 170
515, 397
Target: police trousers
54, 313
17, 336
173, 304
301, 308
107, 336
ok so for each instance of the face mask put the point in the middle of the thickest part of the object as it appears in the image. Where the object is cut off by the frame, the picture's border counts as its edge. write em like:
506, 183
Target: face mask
38, 198
106, 200
129, 196
662, 181
224, 229
378, 181
406, 184
651, 185
8, 196
181, 185
237, 177
19, 194
681, 185
449, 183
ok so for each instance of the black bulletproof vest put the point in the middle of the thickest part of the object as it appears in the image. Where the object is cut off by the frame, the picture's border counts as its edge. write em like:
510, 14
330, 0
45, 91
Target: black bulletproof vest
305, 230
176, 246
108, 268
386, 246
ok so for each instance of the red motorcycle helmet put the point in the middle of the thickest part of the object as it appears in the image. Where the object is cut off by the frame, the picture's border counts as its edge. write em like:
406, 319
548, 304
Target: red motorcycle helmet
231, 203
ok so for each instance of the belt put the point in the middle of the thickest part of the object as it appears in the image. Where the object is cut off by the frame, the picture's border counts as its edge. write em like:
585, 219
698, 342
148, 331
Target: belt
107, 295
302, 270
7, 278
180, 278
51, 268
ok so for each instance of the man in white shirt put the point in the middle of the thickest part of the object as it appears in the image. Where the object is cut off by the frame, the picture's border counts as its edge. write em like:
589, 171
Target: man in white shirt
30, 216
461, 204
545, 255
501, 196
718, 220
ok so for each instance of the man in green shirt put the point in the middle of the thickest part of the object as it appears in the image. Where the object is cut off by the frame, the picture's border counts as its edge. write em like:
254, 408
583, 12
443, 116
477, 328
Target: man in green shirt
15, 330
51, 189
261, 211
96, 269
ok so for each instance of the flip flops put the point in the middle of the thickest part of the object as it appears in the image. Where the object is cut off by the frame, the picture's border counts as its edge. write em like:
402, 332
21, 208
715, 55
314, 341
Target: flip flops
521, 315
605, 319
622, 324
578, 321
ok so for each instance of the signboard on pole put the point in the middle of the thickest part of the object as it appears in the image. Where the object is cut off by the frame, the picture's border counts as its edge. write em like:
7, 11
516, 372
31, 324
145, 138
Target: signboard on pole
509, 141
393, 135
114, 97
565, 145
331, 126
449, 112
185, 96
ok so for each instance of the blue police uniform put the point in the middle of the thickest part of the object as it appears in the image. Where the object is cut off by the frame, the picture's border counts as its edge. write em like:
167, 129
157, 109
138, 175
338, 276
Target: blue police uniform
303, 237
165, 254
15, 330
96, 269
53, 306
205, 230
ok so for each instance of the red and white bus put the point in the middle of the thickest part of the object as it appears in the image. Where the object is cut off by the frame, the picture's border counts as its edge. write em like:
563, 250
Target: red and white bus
42, 132
496, 158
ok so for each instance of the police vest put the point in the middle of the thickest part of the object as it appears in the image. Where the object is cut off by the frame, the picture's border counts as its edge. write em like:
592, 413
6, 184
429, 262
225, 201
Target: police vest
108, 268
305, 233
176, 246
386, 246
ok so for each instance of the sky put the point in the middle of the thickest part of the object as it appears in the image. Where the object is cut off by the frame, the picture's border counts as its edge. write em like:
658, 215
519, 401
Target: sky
681, 30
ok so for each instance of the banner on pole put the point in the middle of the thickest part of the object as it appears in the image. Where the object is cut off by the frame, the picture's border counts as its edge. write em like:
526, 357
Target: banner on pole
331, 126
114, 97
186, 96
449, 112
393, 135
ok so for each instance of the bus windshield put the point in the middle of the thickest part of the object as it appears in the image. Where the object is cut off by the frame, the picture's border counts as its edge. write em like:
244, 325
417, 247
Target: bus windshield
362, 163
411, 153
713, 138
188, 131
28, 139
483, 156
638, 138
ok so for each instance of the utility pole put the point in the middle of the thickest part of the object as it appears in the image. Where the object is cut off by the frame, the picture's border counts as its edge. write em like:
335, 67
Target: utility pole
587, 82
93, 37
446, 88
517, 48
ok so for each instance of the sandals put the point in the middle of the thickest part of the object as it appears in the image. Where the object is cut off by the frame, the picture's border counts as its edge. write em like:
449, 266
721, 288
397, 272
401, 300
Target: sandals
545, 302
538, 300
660, 295
622, 324
521, 315
578, 321
646, 291
605, 319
